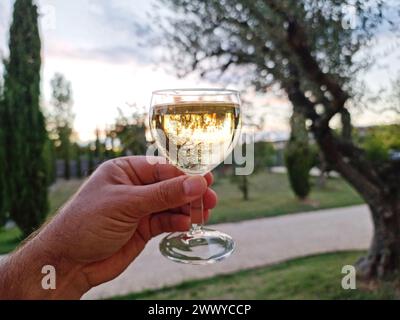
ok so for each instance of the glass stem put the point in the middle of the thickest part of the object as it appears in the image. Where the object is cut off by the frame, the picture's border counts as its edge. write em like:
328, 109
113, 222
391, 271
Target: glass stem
196, 216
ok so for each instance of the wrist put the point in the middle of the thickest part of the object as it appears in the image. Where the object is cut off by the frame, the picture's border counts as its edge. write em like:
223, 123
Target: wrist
71, 282
36, 271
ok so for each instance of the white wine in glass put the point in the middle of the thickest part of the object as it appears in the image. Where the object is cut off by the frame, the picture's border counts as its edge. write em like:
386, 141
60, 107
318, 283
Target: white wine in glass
196, 129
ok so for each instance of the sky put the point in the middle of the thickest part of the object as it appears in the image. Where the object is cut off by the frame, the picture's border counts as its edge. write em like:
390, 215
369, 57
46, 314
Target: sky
98, 45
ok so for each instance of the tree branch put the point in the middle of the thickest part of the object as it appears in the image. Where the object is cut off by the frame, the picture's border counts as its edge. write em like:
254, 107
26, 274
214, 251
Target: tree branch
297, 41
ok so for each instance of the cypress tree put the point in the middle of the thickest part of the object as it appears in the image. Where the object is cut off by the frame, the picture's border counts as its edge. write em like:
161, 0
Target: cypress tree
298, 157
3, 195
49, 154
98, 152
25, 133
78, 161
91, 161
67, 159
62, 118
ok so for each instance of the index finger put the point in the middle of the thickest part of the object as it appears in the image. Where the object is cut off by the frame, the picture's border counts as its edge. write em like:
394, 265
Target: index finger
149, 170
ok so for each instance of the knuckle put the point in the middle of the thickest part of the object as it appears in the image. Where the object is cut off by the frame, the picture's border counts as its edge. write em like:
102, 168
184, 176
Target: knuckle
107, 165
157, 172
163, 195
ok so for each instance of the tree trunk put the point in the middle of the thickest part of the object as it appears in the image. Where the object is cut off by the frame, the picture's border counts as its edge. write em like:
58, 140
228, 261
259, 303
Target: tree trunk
323, 172
346, 124
383, 259
244, 187
379, 189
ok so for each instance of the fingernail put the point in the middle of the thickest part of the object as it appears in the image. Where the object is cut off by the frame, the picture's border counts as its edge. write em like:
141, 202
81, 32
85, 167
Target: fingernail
194, 186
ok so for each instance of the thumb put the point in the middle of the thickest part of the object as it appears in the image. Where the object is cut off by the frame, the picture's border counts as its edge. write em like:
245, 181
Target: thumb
171, 193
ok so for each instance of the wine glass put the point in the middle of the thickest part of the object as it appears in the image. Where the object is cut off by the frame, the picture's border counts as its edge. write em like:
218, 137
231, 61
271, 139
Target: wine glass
196, 129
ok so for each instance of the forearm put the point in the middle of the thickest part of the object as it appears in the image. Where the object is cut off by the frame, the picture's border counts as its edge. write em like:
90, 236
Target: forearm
21, 275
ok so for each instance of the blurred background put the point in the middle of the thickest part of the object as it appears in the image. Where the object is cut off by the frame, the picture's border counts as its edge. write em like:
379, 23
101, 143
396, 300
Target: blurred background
320, 83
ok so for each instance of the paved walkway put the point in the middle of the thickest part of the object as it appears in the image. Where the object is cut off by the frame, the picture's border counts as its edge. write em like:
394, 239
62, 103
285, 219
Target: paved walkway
259, 242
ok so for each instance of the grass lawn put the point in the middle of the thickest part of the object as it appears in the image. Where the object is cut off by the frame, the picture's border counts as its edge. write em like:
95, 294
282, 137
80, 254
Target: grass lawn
315, 277
9, 239
270, 195
61, 191
58, 195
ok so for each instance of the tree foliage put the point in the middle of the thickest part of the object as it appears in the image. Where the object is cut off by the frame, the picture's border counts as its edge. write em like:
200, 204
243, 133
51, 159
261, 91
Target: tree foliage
308, 50
131, 132
78, 160
298, 157
3, 185
49, 155
91, 160
23, 122
264, 155
61, 120
380, 141
98, 147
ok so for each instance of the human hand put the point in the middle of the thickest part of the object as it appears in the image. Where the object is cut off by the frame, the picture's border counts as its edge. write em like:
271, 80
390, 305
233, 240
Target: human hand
107, 223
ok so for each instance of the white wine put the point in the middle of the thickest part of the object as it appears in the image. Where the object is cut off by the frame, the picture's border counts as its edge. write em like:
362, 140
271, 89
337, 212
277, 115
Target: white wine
196, 129
195, 136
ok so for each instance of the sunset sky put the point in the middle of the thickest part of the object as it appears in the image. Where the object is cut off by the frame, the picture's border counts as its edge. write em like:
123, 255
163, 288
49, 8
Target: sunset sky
97, 45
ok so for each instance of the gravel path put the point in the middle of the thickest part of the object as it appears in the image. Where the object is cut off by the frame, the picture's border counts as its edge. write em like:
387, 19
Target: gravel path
259, 242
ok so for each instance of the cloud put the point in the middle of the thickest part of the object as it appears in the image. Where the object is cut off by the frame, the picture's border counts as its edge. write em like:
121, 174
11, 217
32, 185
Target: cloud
115, 54
110, 31
126, 16
114, 32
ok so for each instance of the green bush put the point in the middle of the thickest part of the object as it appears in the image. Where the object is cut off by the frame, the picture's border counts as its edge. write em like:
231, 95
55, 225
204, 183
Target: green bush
3, 172
50, 161
378, 141
264, 155
298, 157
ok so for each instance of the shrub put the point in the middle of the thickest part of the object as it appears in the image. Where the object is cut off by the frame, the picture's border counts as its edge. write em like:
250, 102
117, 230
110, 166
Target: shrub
298, 157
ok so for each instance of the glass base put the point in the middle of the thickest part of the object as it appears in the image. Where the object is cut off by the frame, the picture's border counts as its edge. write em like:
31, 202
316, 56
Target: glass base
201, 247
